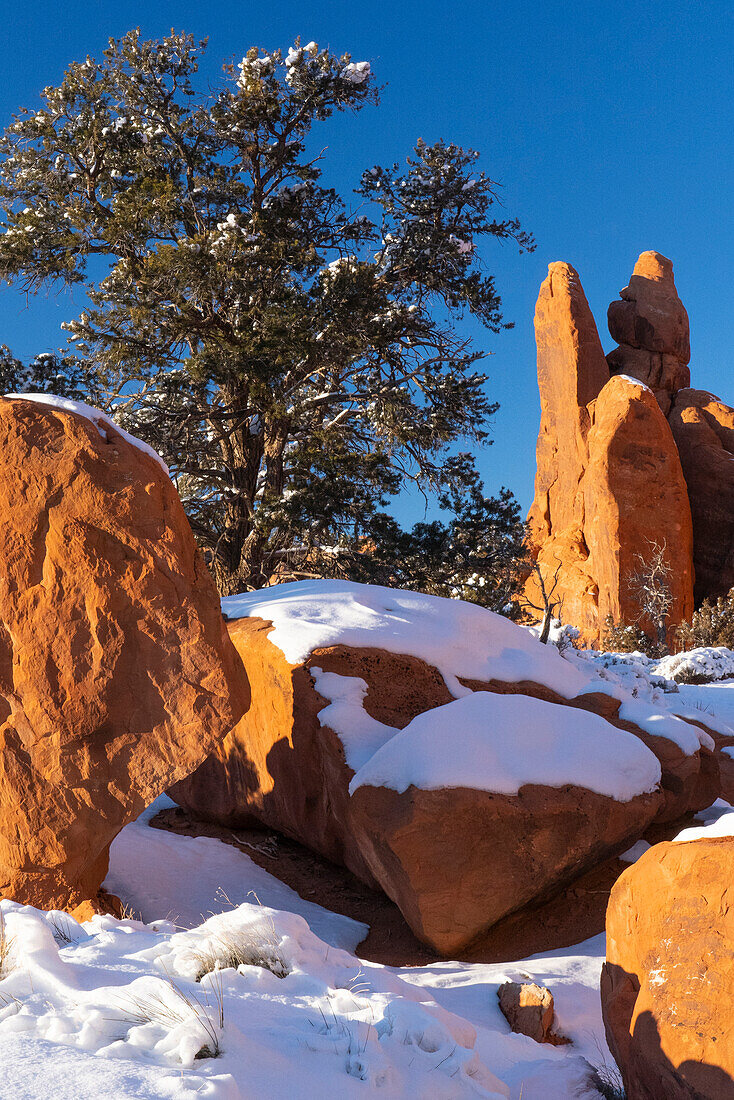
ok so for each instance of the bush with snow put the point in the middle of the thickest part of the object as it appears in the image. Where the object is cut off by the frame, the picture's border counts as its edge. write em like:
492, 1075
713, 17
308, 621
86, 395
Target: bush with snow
698, 666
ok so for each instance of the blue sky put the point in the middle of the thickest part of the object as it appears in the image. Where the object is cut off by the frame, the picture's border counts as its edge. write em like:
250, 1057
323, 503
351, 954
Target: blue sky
609, 127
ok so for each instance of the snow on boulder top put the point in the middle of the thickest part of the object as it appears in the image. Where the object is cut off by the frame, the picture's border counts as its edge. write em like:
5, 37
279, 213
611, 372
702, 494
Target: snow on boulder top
499, 743
459, 639
687, 737
719, 829
100, 419
632, 381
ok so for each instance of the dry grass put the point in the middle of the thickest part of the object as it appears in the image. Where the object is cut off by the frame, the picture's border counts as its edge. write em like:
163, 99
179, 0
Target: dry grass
244, 947
7, 961
174, 1006
63, 928
128, 913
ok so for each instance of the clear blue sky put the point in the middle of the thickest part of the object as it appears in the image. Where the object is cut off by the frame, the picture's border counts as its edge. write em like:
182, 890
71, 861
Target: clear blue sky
609, 125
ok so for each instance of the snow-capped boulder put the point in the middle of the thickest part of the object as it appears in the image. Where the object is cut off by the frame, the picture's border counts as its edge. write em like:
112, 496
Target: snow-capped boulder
666, 985
116, 673
488, 803
382, 718
685, 749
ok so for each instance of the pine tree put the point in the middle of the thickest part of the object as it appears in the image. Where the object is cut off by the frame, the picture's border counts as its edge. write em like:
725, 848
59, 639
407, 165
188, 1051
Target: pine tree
292, 357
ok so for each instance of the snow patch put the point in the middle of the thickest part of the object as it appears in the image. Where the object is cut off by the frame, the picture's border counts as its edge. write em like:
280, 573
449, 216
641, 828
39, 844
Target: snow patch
687, 737
632, 381
713, 829
635, 852
148, 1004
459, 639
499, 743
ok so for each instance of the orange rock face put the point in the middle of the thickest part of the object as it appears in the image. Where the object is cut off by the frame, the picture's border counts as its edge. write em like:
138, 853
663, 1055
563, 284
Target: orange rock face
609, 482
571, 373
116, 673
666, 985
650, 324
703, 429
457, 860
635, 496
454, 860
279, 765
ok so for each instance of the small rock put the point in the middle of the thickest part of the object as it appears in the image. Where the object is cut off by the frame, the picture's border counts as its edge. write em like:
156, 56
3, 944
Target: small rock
528, 1009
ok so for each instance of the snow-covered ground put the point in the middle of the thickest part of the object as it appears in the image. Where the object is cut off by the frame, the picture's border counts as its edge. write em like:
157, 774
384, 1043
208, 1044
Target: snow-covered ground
112, 1009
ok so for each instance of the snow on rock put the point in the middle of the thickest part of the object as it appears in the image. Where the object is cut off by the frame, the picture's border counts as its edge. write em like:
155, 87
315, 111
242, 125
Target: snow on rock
687, 737
717, 821
633, 854
360, 733
459, 639
101, 420
507, 741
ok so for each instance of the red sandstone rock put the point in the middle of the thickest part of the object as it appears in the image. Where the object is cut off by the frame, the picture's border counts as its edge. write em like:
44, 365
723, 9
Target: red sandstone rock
650, 325
279, 766
571, 372
703, 429
434, 852
635, 497
116, 673
609, 480
666, 985
458, 860
689, 782
528, 1009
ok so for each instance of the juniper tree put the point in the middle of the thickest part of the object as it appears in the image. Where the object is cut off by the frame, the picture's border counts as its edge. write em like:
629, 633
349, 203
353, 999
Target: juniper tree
293, 356
478, 554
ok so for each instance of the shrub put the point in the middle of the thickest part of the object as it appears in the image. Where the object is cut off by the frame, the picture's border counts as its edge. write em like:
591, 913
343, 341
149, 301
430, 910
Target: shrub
620, 637
245, 947
711, 626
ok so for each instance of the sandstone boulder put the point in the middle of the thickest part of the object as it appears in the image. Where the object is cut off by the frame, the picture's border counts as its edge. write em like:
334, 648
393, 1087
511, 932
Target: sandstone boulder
703, 429
458, 860
455, 857
635, 499
650, 324
279, 765
666, 985
690, 764
116, 673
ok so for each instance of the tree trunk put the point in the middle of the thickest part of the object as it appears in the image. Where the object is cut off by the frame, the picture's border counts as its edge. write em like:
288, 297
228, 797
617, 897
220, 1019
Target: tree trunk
240, 562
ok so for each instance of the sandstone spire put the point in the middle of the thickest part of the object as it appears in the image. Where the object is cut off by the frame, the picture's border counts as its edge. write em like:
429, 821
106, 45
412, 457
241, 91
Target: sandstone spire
650, 325
608, 476
571, 372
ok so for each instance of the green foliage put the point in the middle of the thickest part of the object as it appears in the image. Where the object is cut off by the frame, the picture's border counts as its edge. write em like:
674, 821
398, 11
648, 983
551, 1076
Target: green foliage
292, 358
63, 376
711, 625
477, 556
628, 638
